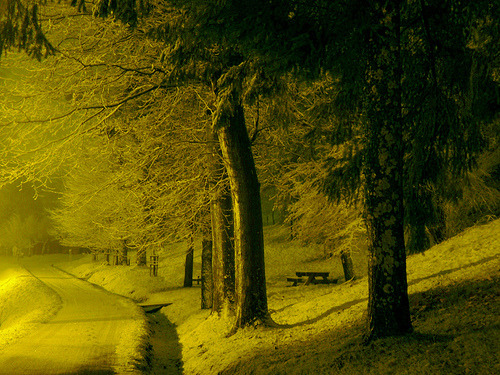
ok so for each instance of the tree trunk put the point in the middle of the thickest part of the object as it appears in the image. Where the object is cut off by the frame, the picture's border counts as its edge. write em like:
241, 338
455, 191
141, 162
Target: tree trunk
388, 305
141, 258
222, 239
188, 269
122, 255
251, 297
345, 258
206, 273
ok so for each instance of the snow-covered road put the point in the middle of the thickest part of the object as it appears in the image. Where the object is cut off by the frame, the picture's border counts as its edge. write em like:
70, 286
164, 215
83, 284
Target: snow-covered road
86, 336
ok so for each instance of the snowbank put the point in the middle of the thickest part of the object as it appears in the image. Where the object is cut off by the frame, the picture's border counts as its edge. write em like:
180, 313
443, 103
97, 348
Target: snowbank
24, 302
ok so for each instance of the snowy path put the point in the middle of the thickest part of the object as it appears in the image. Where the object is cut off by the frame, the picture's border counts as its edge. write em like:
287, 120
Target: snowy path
83, 338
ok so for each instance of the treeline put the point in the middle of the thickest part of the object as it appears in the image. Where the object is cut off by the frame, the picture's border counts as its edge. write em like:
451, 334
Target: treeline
368, 118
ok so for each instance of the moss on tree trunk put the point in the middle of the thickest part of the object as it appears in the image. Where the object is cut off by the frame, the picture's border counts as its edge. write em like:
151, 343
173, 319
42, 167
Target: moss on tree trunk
388, 306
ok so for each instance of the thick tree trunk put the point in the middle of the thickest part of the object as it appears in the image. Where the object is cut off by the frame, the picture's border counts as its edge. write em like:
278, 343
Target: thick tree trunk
206, 273
122, 255
388, 306
347, 265
221, 214
188, 268
251, 297
223, 249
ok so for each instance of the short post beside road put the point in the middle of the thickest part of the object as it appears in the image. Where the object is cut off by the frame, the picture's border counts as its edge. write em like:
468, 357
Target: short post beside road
153, 265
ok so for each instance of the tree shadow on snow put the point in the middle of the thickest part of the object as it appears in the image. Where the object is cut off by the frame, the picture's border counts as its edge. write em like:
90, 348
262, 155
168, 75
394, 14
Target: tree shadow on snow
445, 272
84, 371
450, 321
325, 314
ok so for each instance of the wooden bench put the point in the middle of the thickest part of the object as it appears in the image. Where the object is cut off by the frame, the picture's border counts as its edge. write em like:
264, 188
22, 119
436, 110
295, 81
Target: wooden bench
295, 280
197, 280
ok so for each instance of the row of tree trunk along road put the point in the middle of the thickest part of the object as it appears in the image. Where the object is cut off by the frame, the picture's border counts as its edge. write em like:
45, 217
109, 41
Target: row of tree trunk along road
181, 114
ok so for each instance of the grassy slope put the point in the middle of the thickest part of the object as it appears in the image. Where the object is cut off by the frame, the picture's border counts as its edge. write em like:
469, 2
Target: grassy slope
454, 297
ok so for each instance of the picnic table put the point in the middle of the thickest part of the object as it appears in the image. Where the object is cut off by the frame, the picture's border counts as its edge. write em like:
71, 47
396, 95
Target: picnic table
311, 278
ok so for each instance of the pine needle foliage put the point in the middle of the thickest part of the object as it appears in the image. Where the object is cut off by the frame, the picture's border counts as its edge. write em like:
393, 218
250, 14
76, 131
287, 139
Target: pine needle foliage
449, 50
20, 28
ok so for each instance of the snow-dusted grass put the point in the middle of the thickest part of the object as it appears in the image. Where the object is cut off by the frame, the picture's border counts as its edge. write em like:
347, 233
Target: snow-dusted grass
20, 311
454, 299
133, 282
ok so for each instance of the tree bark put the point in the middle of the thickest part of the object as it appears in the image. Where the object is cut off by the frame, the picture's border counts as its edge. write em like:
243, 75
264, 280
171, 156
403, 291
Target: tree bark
206, 274
347, 265
122, 255
223, 267
251, 297
188, 269
388, 305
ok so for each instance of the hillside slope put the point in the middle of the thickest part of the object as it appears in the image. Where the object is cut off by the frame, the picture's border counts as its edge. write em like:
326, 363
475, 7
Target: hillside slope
454, 297
455, 306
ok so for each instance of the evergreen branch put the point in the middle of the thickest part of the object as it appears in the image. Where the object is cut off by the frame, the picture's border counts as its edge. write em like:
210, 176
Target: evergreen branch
432, 44
47, 17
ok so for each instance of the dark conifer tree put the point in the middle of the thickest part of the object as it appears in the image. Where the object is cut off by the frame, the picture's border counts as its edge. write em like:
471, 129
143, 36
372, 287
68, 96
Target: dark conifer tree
20, 28
418, 134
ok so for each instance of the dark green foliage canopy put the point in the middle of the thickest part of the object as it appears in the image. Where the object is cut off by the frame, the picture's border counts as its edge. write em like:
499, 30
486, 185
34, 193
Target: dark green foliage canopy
450, 64
20, 28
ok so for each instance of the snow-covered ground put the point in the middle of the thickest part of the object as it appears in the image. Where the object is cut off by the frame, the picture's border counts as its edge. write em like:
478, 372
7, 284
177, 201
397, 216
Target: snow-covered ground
318, 327
54, 323
25, 302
